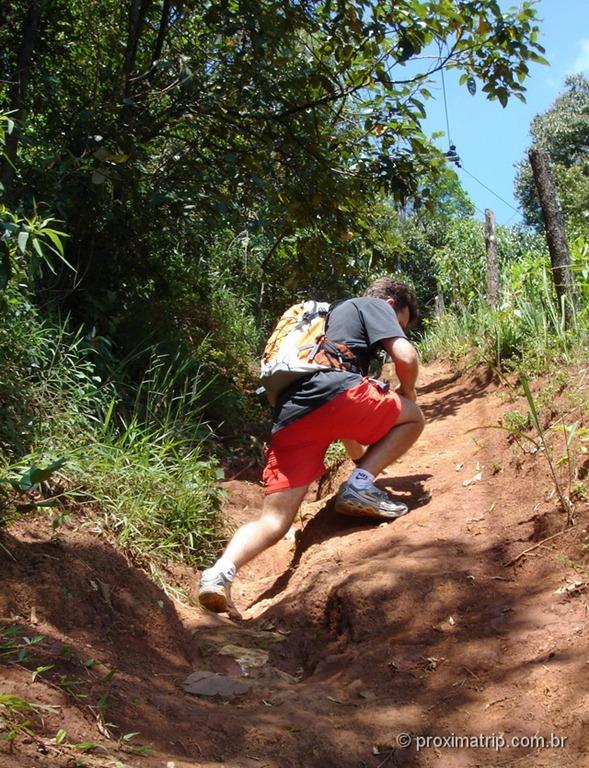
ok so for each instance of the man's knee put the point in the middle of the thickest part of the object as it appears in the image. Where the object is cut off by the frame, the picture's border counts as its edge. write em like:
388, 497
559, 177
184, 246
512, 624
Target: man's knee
412, 414
276, 518
420, 418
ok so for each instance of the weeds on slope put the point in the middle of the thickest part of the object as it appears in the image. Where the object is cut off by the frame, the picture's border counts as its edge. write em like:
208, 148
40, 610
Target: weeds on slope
86, 682
527, 332
140, 458
527, 337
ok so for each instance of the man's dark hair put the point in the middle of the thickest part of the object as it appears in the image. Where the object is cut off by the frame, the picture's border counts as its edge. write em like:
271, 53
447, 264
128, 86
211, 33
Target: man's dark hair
387, 288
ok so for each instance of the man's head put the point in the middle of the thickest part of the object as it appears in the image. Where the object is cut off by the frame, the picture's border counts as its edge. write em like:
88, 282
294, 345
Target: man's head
399, 296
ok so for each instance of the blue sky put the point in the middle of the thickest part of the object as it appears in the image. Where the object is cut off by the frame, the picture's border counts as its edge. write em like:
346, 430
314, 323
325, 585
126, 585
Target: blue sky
489, 139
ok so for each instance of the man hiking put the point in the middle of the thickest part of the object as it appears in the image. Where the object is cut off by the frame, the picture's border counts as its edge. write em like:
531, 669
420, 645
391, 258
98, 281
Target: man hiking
376, 425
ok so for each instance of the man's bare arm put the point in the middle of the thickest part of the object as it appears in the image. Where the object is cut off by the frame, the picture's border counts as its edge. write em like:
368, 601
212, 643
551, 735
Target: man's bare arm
406, 362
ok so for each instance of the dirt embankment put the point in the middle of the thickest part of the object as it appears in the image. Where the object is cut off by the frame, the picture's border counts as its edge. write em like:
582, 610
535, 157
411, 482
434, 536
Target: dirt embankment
434, 629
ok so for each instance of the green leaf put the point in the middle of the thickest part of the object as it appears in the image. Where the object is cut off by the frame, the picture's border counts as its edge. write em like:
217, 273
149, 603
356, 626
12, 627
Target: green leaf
60, 736
45, 668
539, 59
35, 475
38, 248
87, 746
10, 701
22, 241
56, 239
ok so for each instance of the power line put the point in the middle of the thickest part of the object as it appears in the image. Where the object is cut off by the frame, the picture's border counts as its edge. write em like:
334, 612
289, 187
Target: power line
472, 176
510, 219
453, 156
446, 106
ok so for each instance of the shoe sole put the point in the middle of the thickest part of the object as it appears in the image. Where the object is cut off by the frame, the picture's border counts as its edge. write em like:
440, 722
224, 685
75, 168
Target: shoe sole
355, 509
213, 601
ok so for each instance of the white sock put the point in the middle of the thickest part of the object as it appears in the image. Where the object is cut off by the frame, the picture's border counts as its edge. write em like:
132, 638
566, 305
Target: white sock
360, 479
224, 566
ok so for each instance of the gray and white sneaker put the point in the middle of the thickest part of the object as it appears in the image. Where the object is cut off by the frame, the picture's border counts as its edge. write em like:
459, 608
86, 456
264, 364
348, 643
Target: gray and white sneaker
368, 502
215, 591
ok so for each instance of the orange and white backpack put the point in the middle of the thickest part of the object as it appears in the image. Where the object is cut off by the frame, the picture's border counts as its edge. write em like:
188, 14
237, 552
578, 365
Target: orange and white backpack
299, 346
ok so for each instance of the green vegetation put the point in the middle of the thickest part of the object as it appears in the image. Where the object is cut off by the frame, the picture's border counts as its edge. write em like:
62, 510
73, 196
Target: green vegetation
527, 331
83, 680
144, 460
563, 131
526, 335
170, 181
172, 176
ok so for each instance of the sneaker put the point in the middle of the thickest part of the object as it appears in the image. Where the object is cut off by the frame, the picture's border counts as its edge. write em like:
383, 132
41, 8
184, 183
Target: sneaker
214, 591
368, 502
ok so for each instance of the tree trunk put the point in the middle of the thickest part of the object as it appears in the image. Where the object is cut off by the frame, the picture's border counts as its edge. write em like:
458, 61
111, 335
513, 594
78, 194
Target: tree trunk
492, 263
137, 12
18, 91
555, 233
163, 30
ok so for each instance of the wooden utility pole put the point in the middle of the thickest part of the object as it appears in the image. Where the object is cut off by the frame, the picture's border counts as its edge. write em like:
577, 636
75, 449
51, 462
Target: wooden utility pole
492, 262
554, 224
439, 306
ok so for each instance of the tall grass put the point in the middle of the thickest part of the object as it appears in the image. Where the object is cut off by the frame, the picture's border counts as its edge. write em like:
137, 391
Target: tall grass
528, 329
154, 490
140, 457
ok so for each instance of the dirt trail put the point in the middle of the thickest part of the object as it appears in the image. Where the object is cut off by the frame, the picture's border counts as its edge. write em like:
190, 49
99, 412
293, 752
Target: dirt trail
354, 633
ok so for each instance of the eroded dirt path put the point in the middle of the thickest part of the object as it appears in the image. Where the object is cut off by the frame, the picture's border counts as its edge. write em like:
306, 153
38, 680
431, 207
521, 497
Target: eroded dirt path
419, 626
356, 634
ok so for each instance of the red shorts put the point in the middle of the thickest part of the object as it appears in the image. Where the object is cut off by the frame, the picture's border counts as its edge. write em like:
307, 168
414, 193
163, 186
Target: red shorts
296, 452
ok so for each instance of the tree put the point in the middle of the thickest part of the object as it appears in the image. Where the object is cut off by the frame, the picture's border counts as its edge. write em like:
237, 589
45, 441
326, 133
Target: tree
563, 132
151, 128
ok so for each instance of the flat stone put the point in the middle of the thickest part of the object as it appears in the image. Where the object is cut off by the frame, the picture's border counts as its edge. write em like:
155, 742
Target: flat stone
203, 683
248, 659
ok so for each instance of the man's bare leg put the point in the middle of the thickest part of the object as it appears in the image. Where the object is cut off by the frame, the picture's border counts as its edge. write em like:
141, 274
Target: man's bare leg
395, 443
279, 509
278, 512
359, 497
354, 449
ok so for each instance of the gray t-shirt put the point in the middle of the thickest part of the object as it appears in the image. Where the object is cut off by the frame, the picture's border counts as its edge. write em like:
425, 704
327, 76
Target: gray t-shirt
360, 324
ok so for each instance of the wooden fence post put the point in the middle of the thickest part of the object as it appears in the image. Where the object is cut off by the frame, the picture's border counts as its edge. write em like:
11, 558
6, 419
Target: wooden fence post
555, 233
492, 262
439, 306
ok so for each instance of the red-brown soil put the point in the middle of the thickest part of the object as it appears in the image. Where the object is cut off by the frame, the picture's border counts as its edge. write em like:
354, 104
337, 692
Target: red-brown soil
350, 635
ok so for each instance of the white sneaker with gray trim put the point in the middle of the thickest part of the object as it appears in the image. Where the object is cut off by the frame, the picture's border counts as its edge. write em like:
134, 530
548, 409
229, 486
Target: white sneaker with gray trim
368, 502
215, 591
